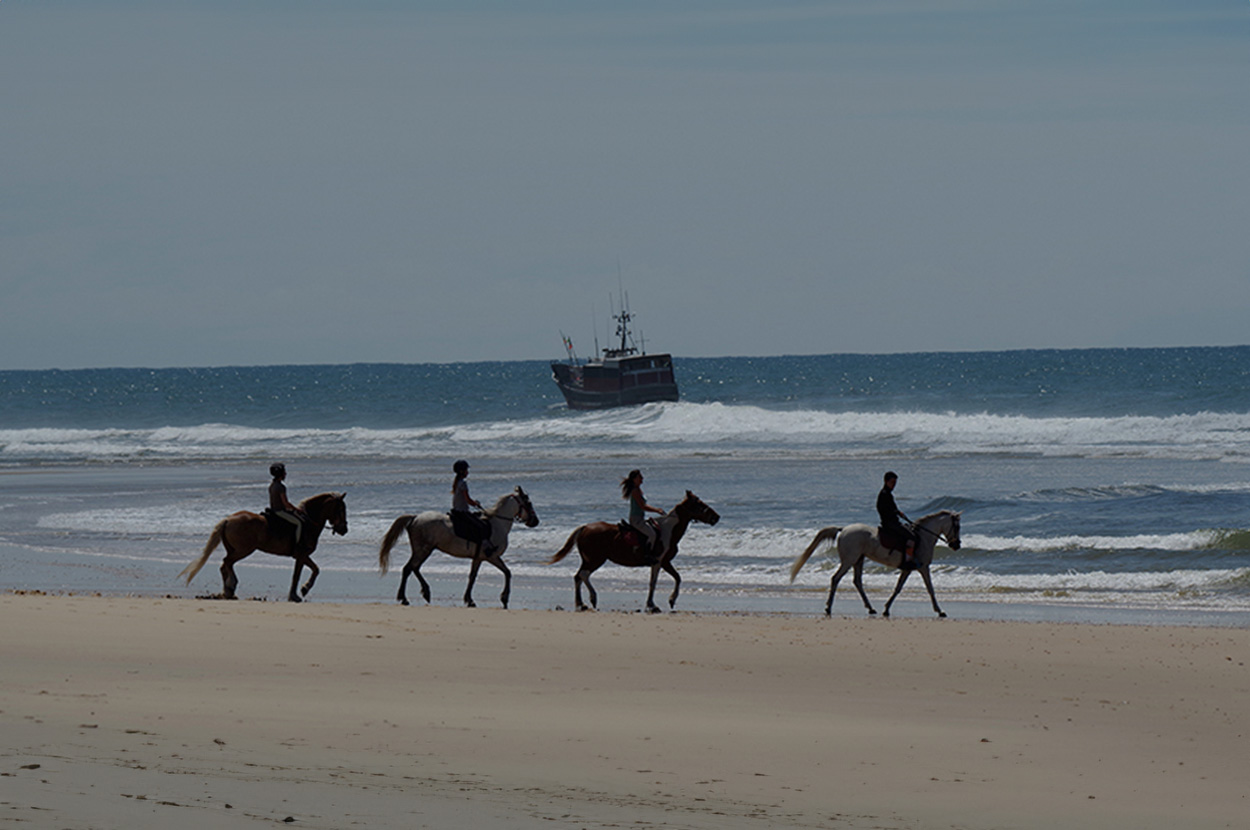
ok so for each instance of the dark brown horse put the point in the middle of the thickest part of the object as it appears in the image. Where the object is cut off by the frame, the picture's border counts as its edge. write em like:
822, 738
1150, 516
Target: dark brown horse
243, 533
600, 542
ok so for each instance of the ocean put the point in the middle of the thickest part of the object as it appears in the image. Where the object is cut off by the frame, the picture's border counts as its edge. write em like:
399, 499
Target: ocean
1108, 484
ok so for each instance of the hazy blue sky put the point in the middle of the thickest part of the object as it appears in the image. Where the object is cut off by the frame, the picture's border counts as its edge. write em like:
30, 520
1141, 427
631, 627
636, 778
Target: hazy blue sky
210, 183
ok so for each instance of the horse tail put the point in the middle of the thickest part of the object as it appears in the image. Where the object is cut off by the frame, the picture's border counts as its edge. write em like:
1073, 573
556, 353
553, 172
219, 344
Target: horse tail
388, 541
214, 539
568, 546
826, 535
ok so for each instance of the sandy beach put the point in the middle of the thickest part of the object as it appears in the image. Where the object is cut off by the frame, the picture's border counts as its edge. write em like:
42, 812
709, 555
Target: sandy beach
144, 712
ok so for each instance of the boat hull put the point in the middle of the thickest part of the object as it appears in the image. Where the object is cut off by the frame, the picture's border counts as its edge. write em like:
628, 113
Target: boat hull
610, 383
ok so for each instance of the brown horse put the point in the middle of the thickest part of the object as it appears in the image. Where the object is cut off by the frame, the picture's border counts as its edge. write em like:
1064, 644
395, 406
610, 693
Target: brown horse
243, 533
600, 542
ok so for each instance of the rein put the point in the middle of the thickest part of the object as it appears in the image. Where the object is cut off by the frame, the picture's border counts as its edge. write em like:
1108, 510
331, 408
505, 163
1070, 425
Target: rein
933, 533
520, 509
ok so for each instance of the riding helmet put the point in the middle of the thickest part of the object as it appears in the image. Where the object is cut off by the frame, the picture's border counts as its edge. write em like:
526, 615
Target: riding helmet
276, 470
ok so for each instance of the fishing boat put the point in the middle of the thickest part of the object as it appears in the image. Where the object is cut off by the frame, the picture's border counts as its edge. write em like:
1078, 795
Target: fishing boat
622, 376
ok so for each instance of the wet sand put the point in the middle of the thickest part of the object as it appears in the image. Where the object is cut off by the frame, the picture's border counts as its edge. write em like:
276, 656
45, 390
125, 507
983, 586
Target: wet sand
121, 712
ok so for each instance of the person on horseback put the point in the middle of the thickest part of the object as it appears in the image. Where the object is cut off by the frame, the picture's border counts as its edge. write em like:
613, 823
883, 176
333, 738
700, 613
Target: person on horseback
631, 489
280, 506
894, 535
467, 525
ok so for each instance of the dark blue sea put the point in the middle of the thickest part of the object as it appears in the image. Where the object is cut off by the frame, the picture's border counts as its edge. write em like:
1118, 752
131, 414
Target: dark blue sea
1091, 482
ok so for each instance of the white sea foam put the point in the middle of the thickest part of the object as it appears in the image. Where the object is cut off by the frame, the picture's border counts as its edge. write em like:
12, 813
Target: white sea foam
687, 427
1196, 540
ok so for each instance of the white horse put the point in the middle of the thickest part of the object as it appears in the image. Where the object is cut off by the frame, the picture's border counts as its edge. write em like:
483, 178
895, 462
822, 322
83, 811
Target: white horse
432, 531
859, 542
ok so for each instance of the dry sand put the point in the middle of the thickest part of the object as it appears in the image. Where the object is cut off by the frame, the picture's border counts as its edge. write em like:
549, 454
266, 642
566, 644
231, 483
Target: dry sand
137, 713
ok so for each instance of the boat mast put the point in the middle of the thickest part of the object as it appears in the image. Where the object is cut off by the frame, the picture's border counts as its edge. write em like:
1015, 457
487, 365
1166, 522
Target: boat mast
622, 329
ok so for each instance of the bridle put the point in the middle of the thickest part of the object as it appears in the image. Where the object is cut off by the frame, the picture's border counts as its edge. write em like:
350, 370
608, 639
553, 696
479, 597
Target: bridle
954, 531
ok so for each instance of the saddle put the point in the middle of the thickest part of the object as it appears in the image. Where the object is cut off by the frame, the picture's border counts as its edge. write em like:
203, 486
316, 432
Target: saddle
896, 539
471, 527
280, 528
632, 537
276, 525
892, 538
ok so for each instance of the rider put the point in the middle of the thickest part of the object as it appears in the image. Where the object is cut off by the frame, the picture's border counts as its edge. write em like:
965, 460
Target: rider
631, 489
467, 526
893, 533
280, 505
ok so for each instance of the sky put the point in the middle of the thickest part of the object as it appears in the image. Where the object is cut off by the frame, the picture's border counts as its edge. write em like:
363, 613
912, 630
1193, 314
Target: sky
215, 183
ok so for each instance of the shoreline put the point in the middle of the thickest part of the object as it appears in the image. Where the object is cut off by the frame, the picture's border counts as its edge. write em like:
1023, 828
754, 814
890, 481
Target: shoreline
145, 712
621, 591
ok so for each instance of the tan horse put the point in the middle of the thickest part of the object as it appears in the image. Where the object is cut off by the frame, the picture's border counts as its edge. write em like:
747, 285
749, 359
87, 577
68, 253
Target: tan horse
859, 542
600, 542
431, 531
243, 533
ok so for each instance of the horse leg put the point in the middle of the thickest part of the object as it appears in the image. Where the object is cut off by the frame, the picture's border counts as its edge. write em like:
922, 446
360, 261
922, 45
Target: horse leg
293, 596
928, 583
652, 608
229, 579
833, 586
582, 577
313, 572
858, 579
468, 591
413, 568
671, 571
507, 578
902, 577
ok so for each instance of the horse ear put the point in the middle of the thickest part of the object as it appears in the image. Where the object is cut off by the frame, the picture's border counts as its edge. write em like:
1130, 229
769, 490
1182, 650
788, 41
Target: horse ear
343, 495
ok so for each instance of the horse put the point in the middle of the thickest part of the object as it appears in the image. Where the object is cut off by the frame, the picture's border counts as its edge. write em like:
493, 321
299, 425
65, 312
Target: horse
599, 542
243, 533
432, 531
858, 542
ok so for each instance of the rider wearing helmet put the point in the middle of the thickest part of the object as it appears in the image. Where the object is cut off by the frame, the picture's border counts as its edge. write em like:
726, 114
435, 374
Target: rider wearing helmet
280, 506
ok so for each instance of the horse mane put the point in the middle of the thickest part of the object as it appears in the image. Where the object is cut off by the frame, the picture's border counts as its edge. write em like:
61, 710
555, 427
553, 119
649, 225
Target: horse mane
320, 497
498, 503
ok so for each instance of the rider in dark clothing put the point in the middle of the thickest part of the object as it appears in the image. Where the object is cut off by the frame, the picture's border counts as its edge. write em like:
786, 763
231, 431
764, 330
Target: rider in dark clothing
280, 506
893, 535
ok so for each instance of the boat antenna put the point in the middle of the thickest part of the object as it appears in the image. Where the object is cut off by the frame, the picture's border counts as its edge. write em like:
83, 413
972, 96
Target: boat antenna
594, 324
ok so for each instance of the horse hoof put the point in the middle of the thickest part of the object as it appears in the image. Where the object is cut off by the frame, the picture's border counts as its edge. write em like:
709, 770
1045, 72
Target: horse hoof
872, 612
404, 602
294, 598
942, 614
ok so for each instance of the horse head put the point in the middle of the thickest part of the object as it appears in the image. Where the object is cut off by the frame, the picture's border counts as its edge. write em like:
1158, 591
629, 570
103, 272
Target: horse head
335, 512
952, 535
526, 513
693, 507
516, 506
944, 523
